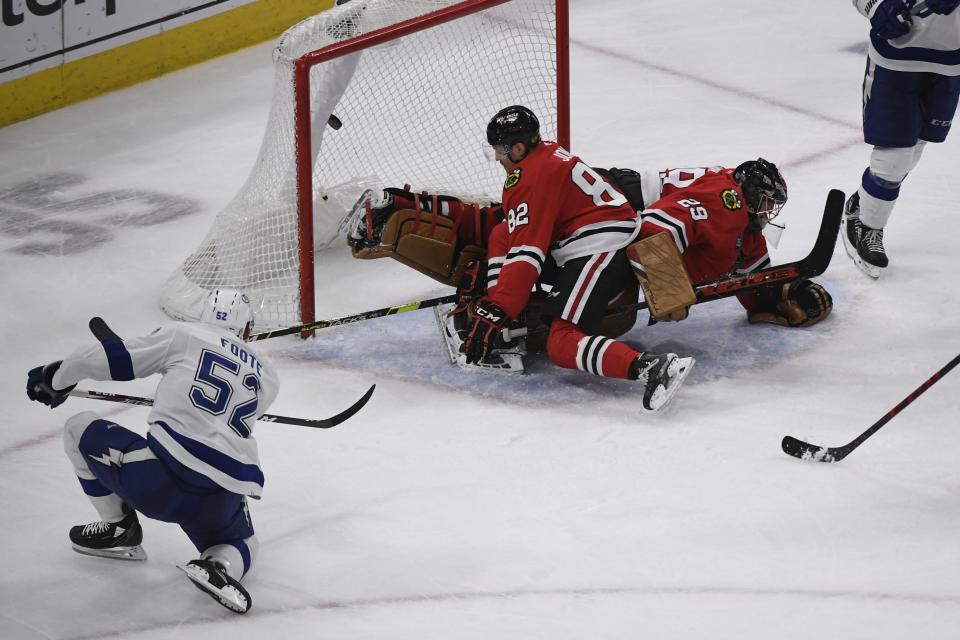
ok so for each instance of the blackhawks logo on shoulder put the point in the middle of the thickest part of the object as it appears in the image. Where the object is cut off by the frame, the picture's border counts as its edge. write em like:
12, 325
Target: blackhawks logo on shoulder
731, 199
512, 179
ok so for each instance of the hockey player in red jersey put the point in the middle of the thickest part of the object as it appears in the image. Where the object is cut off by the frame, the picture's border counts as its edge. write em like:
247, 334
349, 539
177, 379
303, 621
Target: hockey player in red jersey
715, 218
566, 227
557, 207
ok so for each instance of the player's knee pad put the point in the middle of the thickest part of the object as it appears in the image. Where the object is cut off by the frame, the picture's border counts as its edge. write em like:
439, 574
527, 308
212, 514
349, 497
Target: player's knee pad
890, 165
72, 432
236, 557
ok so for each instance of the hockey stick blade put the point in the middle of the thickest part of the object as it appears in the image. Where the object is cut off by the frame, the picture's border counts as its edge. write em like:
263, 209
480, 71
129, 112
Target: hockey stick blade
806, 451
325, 423
100, 330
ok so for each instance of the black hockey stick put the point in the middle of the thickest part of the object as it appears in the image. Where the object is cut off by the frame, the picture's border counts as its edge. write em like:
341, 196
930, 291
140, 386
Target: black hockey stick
812, 265
100, 330
358, 317
267, 417
806, 451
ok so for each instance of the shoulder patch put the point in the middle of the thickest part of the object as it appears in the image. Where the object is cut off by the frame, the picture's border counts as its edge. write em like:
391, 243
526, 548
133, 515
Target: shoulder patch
512, 180
731, 199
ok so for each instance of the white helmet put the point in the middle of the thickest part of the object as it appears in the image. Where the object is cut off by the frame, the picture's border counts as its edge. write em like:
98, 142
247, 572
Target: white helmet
228, 309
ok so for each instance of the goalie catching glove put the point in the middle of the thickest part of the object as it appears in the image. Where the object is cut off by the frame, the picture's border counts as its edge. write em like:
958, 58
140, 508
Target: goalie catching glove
800, 303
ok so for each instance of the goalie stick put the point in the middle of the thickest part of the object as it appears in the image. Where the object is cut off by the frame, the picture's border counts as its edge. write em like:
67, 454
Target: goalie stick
815, 263
325, 423
806, 451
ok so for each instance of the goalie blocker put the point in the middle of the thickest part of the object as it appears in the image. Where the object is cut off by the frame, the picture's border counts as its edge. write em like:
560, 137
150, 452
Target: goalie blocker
659, 268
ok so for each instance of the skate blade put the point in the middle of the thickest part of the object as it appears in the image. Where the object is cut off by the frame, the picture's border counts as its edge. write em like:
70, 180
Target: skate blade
867, 268
511, 363
440, 315
348, 222
135, 552
228, 596
678, 373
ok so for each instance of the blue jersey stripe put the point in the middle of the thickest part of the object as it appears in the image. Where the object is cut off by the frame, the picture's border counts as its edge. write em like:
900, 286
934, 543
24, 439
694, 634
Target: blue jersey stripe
94, 488
922, 54
217, 459
121, 365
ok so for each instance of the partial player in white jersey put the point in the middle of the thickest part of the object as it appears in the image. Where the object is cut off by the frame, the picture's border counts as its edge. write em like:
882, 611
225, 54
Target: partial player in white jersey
910, 92
199, 461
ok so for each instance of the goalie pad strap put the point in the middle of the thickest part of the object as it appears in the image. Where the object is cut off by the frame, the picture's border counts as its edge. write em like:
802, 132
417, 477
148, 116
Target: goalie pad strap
659, 268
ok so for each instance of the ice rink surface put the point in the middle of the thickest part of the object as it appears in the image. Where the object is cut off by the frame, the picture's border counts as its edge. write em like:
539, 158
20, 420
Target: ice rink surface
464, 506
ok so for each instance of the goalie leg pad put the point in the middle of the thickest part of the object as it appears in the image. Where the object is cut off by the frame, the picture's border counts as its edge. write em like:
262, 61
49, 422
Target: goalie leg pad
659, 268
425, 242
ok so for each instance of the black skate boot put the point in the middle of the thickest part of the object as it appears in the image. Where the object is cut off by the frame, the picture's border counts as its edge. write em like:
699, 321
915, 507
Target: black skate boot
117, 540
863, 244
211, 578
662, 374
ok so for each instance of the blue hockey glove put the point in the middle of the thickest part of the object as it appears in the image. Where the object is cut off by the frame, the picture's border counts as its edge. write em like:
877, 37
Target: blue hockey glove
488, 319
40, 385
891, 19
943, 7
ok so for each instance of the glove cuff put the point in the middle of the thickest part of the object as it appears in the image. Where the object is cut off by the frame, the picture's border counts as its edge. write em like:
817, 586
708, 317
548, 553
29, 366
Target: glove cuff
49, 371
492, 313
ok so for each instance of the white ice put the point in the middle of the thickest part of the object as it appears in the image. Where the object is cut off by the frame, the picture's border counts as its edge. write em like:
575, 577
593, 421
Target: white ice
547, 506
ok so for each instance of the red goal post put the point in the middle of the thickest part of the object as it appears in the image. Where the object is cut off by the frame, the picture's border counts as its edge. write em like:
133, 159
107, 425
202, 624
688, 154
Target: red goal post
413, 83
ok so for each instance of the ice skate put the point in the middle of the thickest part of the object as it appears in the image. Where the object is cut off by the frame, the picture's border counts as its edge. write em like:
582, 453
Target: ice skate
211, 578
663, 374
351, 221
363, 233
863, 244
116, 540
504, 357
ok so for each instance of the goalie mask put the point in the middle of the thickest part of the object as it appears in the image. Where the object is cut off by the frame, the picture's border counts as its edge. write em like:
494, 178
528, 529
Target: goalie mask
764, 191
228, 309
511, 125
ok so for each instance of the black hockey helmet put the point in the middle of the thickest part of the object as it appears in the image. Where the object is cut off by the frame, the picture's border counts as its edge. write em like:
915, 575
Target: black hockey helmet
764, 191
514, 124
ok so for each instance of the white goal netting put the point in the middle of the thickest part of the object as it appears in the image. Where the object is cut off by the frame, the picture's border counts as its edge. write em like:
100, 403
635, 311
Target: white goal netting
413, 110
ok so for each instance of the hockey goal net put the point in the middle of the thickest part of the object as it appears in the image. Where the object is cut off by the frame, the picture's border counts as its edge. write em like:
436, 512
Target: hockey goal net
370, 94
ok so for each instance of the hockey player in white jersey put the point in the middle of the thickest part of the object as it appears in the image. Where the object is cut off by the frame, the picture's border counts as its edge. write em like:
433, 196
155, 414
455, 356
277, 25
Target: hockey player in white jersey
910, 92
199, 461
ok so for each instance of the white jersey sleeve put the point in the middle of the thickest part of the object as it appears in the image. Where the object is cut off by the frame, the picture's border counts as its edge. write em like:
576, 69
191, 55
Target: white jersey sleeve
212, 390
932, 44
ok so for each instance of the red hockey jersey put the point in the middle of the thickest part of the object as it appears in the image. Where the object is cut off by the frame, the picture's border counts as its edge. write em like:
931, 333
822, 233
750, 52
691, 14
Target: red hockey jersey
704, 212
554, 204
